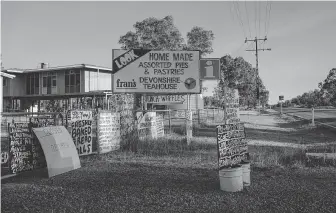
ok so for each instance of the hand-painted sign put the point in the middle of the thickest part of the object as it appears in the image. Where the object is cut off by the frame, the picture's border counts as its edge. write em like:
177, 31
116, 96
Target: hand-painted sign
78, 115
232, 107
209, 69
164, 99
25, 152
281, 98
153, 71
146, 125
4, 157
59, 150
108, 131
81, 131
232, 148
159, 125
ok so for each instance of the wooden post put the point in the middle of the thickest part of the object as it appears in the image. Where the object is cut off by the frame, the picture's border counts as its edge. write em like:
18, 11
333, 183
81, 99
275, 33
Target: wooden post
198, 116
169, 121
188, 121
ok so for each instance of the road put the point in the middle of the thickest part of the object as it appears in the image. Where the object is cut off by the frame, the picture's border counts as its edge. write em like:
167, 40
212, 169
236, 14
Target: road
323, 116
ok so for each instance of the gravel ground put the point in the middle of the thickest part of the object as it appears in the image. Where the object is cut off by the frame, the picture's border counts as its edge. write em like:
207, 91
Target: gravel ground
125, 187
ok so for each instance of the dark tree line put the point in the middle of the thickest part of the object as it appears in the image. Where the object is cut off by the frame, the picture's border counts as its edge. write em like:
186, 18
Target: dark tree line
325, 95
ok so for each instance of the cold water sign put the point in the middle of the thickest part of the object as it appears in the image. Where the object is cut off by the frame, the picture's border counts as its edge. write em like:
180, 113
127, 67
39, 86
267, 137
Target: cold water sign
151, 71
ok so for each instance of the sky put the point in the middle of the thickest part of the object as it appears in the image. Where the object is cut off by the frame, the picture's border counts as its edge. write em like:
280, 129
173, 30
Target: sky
301, 35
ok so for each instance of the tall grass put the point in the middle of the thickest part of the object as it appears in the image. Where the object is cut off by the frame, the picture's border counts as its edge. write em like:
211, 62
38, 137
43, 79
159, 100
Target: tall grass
266, 156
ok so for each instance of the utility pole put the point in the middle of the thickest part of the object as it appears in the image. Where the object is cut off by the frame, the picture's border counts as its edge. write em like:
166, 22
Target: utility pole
257, 67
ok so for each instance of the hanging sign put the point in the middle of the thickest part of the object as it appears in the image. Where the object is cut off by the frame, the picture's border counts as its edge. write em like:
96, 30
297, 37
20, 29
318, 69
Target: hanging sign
166, 99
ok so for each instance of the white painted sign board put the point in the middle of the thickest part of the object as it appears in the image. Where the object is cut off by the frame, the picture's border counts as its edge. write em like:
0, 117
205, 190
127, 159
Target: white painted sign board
153, 71
59, 149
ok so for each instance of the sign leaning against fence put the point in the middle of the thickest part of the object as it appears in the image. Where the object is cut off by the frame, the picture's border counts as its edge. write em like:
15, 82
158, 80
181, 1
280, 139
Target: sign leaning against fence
153, 71
81, 131
108, 131
58, 148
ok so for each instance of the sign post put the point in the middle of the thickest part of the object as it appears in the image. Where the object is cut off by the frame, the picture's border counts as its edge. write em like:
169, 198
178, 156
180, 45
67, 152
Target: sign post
189, 122
281, 98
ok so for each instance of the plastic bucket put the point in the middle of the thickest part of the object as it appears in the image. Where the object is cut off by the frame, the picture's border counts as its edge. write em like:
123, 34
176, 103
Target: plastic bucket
231, 179
246, 174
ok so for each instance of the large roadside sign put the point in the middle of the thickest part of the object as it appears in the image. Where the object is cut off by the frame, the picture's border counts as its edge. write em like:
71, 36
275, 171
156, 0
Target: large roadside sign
154, 71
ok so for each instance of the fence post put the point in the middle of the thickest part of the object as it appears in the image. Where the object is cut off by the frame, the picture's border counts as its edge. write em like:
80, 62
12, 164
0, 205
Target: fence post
198, 116
313, 114
169, 121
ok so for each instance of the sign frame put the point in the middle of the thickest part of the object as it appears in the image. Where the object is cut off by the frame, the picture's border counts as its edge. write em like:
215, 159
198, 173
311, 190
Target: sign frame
154, 92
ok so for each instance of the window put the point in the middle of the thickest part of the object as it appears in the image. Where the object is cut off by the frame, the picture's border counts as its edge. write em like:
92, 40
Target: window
4, 81
33, 84
49, 82
72, 81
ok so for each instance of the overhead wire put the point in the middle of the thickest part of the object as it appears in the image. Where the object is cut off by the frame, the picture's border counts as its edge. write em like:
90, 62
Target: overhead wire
240, 19
255, 18
266, 15
259, 2
248, 19
269, 17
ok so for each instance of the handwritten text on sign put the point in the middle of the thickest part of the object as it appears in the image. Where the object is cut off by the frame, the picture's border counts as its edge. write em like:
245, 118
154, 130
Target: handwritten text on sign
80, 115
232, 147
81, 131
108, 131
25, 152
143, 71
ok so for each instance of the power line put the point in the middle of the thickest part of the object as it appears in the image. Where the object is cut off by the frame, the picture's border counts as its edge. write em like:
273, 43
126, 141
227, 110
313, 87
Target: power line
266, 15
255, 18
239, 17
269, 17
248, 21
259, 8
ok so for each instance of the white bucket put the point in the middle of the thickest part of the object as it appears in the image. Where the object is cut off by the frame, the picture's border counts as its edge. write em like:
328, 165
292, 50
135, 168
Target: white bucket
246, 174
231, 179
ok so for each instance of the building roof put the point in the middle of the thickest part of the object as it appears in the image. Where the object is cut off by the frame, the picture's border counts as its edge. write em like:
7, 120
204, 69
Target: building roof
3, 74
15, 70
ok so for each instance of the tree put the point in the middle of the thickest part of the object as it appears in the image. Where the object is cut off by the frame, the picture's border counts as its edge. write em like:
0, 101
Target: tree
162, 34
200, 39
328, 88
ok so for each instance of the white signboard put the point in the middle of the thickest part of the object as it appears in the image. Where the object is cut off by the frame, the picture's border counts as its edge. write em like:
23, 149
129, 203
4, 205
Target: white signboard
108, 131
153, 71
59, 149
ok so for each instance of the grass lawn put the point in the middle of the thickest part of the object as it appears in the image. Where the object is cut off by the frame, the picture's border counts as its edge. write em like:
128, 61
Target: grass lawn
169, 176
